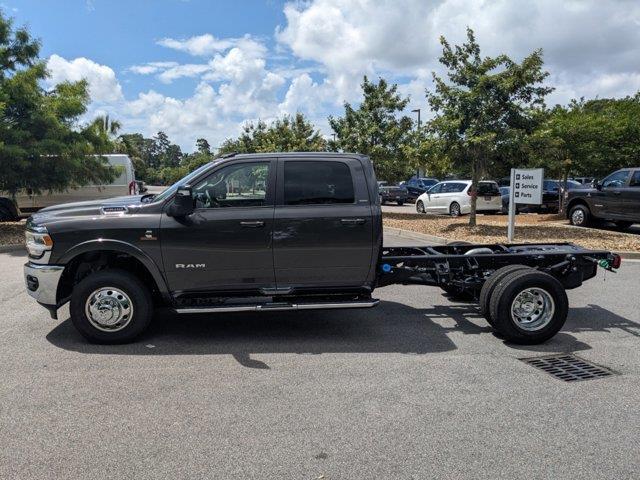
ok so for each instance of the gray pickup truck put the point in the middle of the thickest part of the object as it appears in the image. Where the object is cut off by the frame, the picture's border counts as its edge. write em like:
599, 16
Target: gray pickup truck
264, 232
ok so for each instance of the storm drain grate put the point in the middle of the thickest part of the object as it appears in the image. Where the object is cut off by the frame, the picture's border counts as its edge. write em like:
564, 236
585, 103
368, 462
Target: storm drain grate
568, 367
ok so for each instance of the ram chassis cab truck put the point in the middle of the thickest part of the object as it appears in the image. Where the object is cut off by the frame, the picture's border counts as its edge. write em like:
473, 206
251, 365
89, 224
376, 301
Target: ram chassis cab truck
266, 232
614, 199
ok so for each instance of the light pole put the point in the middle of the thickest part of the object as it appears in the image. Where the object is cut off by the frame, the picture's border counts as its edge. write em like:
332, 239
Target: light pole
418, 111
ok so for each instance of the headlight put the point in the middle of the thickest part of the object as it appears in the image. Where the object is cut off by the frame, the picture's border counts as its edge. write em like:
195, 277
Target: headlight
38, 241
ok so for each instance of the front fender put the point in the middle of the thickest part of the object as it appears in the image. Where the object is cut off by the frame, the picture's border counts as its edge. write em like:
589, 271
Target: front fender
101, 245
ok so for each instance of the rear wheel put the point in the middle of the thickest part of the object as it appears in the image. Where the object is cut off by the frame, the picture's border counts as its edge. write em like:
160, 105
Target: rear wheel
400, 203
454, 209
420, 207
528, 307
490, 285
580, 216
111, 306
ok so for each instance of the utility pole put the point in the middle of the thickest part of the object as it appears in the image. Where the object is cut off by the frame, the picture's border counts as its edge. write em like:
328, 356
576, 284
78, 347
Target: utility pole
418, 111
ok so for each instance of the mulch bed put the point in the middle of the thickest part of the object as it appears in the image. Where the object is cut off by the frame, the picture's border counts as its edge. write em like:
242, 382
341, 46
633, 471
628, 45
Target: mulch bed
12, 233
530, 228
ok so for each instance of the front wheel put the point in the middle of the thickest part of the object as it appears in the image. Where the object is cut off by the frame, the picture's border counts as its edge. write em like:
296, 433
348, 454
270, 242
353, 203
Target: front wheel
400, 203
580, 216
111, 306
420, 207
454, 209
528, 307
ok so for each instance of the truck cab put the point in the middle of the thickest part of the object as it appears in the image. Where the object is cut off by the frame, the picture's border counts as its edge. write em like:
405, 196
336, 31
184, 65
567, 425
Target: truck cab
244, 231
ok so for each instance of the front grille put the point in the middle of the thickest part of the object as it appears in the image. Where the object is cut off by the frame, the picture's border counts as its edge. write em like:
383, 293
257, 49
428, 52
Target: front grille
568, 368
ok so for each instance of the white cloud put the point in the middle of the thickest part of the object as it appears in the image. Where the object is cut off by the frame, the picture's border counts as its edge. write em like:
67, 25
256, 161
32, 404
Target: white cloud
103, 85
204, 45
324, 48
151, 67
596, 38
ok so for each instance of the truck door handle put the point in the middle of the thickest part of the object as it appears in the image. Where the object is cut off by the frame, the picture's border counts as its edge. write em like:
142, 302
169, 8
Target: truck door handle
254, 224
353, 221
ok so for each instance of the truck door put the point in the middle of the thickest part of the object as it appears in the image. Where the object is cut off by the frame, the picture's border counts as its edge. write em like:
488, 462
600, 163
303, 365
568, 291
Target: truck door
631, 198
226, 243
609, 200
323, 234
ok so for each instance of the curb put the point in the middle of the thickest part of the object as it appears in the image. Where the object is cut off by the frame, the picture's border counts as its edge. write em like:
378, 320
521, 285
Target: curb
12, 248
432, 239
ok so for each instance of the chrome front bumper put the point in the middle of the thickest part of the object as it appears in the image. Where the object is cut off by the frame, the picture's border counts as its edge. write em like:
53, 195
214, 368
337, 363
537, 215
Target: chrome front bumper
42, 282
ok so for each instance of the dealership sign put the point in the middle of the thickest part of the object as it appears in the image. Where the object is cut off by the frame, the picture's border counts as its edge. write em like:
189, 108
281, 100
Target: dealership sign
527, 185
526, 188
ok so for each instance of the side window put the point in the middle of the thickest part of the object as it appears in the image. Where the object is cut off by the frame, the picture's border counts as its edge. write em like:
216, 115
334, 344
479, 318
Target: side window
241, 185
314, 183
635, 180
617, 179
437, 188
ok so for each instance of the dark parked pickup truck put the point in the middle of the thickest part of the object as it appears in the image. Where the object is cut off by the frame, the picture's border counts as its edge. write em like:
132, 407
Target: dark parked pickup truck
616, 199
265, 232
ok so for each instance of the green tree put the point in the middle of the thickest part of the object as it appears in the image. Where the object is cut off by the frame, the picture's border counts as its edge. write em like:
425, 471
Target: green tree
286, 134
588, 138
40, 146
376, 130
203, 147
486, 108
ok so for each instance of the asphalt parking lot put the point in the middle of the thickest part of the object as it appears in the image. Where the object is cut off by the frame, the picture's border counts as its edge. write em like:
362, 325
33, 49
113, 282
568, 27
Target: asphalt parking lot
418, 387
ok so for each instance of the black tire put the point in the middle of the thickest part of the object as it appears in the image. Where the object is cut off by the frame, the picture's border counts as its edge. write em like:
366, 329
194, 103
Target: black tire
5, 214
140, 300
490, 285
400, 203
8, 213
509, 288
454, 209
420, 207
580, 216
623, 225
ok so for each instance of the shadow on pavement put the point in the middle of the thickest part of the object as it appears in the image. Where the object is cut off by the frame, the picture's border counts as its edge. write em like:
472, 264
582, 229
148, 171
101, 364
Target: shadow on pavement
390, 328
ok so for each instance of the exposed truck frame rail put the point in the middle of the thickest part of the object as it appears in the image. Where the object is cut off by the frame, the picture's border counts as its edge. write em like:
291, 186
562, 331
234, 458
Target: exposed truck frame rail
520, 288
467, 267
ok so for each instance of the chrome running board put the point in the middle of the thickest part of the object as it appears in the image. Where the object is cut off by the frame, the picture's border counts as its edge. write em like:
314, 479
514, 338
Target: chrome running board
269, 307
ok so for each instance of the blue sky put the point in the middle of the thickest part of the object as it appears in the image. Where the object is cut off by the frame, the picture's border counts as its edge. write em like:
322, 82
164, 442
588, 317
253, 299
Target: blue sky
203, 68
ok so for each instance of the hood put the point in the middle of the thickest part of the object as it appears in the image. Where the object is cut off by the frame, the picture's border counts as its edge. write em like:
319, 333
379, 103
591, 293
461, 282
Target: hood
90, 207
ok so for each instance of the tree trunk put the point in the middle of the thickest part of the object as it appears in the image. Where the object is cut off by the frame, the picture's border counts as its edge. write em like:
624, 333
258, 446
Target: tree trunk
475, 177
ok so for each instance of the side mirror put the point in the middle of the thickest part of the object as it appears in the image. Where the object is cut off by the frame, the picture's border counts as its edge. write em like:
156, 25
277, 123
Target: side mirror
182, 203
597, 185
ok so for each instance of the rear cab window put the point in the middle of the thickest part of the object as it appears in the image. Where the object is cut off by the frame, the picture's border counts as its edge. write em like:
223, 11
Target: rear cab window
319, 182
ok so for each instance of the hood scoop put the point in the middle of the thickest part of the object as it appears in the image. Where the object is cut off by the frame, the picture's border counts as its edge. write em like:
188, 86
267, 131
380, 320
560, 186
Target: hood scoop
113, 210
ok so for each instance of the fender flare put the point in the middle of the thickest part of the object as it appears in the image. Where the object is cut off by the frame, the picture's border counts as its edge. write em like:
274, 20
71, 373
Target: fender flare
99, 245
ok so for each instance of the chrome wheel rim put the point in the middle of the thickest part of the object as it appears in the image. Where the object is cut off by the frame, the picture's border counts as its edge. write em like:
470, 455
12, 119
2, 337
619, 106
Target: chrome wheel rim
577, 217
109, 309
420, 207
532, 309
455, 210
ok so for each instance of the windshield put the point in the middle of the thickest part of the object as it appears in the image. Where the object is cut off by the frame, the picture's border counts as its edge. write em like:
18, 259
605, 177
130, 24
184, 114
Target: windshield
183, 181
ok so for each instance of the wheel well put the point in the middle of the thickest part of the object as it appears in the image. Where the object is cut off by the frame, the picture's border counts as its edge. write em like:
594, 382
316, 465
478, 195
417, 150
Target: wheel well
576, 202
89, 262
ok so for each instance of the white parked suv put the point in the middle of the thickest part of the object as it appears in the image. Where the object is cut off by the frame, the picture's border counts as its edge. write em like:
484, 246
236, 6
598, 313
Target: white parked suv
454, 197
